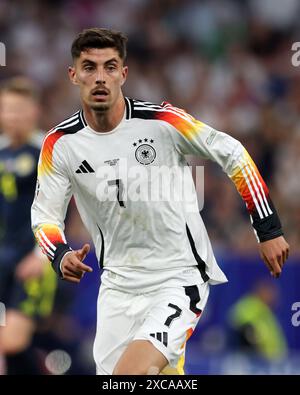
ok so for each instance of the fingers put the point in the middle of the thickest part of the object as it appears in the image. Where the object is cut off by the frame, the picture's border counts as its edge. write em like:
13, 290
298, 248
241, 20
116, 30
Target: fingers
72, 268
268, 265
76, 267
286, 252
72, 276
79, 266
274, 253
274, 264
82, 253
280, 260
73, 272
284, 255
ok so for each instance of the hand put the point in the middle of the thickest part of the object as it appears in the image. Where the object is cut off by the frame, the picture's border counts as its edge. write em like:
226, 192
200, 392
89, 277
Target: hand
32, 266
72, 267
274, 253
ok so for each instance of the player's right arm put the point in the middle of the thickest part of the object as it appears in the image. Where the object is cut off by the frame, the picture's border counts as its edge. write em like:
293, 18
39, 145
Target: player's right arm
48, 211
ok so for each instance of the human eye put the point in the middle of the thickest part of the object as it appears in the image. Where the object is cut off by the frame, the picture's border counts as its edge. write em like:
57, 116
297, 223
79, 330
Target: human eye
111, 67
88, 67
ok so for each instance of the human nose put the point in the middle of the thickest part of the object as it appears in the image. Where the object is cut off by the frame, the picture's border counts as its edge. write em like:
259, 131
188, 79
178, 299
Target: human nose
100, 77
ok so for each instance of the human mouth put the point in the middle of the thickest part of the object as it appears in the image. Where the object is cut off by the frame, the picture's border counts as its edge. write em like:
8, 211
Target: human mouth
100, 94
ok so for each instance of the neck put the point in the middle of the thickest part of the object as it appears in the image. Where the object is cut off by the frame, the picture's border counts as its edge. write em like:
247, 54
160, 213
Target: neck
105, 121
17, 141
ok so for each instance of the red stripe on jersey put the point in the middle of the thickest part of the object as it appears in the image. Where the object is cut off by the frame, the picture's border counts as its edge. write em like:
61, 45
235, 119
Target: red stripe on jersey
53, 236
45, 164
182, 121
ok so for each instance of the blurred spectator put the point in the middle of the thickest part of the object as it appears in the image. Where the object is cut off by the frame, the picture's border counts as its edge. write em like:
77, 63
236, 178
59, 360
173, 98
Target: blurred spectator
254, 327
27, 283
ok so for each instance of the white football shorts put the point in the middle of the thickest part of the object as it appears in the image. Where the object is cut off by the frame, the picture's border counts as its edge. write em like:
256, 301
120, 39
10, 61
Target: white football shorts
166, 317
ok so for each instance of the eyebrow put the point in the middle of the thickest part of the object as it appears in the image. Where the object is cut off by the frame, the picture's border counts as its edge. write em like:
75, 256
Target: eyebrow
88, 61
112, 60
85, 61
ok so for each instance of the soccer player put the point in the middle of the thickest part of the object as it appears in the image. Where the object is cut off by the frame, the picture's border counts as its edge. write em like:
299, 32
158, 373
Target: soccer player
27, 287
156, 255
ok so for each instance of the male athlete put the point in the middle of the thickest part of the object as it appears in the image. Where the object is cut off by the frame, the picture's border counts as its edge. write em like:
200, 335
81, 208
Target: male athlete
27, 287
156, 255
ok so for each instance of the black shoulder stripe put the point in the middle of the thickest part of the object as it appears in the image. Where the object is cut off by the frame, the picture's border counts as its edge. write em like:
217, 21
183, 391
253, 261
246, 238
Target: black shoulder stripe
145, 110
143, 114
73, 126
67, 121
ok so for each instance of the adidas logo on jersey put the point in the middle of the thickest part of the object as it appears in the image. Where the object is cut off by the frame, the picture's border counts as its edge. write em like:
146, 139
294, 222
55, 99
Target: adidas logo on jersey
85, 167
161, 337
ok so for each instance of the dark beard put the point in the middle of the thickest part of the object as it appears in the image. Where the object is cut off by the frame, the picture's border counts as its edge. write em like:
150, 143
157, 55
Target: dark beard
101, 108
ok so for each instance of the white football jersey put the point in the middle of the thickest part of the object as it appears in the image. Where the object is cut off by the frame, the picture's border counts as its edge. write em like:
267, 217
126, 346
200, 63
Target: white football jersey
136, 197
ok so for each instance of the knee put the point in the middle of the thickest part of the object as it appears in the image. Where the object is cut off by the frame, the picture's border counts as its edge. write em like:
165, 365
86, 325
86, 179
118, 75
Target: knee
10, 345
16, 336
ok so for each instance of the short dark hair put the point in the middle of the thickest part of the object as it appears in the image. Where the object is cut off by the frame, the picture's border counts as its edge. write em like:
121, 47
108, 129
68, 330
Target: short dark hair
21, 86
99, 38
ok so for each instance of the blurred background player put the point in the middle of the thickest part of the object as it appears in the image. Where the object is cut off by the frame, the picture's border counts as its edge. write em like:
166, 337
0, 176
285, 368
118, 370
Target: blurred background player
27, 286
255, 329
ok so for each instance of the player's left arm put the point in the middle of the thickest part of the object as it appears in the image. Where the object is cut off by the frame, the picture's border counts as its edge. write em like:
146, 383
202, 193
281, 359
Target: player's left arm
274, 253
191, 136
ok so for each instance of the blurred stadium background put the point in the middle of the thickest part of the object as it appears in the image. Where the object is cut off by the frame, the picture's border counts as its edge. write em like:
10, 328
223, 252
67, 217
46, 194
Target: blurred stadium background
229, 64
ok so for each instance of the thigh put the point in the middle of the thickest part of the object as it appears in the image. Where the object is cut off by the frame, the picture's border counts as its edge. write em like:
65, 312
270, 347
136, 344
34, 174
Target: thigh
141, 357
118, 319
171, 320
